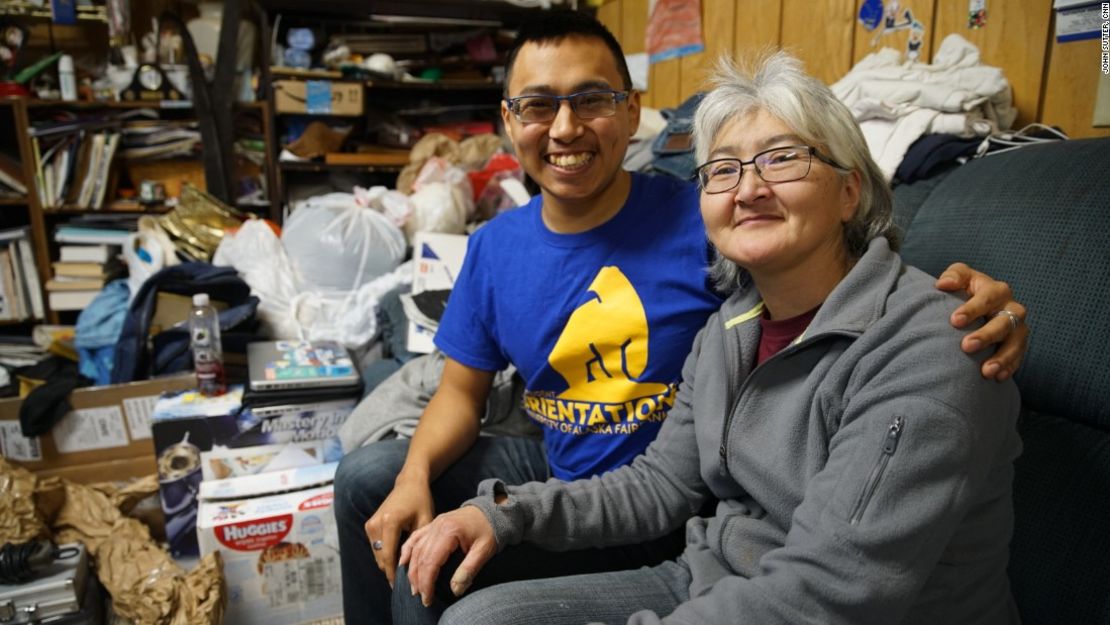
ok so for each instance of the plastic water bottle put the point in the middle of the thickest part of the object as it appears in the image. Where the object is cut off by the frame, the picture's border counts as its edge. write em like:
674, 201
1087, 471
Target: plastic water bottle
67, 79
208, 356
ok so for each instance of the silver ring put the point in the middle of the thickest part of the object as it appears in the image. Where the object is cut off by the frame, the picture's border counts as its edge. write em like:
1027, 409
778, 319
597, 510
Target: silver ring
377, 545
1014, 321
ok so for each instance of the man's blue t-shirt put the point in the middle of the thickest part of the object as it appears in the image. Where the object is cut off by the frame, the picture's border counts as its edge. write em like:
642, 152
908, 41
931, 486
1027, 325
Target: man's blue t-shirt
598, 323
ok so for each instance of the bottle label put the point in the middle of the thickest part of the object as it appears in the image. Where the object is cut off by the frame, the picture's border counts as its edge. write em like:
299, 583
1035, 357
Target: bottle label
210, 373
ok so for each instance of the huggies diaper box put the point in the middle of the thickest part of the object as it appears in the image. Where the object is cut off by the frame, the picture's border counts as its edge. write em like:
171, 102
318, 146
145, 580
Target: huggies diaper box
279, 549
199, 438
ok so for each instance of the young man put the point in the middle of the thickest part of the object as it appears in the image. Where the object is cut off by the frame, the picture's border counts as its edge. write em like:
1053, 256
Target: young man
594, 291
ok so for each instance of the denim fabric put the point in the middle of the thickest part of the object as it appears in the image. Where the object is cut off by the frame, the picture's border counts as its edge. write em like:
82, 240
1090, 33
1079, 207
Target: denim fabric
599, 597
671, 160
96, 364
100, 323
98, 330
364, 479
522, 562
394, 337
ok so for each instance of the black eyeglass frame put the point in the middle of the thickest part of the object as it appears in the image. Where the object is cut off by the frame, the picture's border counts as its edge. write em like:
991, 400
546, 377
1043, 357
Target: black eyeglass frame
812, 151
513, 103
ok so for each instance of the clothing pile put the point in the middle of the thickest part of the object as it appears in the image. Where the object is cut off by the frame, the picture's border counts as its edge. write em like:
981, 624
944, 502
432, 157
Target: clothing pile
898, 102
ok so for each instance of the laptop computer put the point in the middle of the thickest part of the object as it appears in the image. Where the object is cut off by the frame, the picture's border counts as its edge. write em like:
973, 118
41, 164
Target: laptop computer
277, 365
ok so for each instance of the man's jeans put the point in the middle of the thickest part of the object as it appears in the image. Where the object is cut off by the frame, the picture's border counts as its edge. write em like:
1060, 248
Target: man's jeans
365, 477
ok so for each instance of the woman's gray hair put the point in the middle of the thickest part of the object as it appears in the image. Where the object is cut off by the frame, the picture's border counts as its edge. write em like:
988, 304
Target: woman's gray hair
776, 83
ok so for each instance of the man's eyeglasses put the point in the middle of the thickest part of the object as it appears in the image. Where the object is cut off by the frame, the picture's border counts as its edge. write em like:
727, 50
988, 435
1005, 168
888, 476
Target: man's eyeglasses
530, 109
775, 165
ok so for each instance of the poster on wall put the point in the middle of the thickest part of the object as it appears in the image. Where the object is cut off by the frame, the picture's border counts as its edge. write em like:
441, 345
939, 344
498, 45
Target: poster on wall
674, 29
977, 14
887, 18
1077, 20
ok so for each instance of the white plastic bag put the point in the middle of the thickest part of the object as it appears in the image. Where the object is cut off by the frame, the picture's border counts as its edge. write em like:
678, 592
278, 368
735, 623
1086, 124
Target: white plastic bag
336, 245
395, 205
257, 254
348, 318
442, 200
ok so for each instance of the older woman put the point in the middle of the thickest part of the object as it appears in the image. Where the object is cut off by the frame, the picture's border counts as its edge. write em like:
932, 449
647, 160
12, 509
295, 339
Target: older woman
861, 470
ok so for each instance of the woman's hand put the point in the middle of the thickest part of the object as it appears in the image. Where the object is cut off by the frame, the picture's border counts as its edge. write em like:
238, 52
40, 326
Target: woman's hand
989, 298
428, 548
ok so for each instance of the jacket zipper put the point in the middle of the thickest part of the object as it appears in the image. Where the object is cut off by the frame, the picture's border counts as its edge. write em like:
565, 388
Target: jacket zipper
890, 444
739, 393
732, 393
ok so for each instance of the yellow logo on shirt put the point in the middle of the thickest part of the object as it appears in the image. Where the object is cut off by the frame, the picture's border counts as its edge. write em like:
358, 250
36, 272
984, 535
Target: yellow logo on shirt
601, 354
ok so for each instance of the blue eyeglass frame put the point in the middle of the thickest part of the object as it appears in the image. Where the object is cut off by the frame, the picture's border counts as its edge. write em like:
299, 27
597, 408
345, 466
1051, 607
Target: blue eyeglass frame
618, 97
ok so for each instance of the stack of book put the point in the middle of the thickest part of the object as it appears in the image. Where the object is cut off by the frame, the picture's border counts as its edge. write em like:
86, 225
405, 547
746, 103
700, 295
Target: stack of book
20, 285
77, 282
89, 250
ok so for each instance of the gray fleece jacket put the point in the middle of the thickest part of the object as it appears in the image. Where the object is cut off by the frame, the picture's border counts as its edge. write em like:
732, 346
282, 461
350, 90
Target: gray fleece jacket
862, 475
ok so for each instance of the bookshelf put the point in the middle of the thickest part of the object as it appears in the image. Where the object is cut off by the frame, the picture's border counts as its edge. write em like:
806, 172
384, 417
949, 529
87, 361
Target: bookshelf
27, 117
26, 212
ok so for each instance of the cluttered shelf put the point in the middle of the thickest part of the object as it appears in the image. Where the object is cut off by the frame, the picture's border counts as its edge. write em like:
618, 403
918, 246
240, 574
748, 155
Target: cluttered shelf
154, 209
323, 167
77, 210
17, 322
33, 10
441, 84
151, 104
426, 12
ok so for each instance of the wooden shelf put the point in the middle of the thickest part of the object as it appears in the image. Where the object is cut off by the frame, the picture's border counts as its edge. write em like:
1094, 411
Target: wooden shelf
19, 322
480, 13
164, 105
14, 201
439, 85
446, 84
323, 167
26, 9
70, 211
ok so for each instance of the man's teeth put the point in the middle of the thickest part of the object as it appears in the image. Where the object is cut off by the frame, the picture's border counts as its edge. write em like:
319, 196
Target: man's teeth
569, 160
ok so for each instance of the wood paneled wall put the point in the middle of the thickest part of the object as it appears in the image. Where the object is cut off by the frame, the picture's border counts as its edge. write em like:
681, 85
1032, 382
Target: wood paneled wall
1053, 83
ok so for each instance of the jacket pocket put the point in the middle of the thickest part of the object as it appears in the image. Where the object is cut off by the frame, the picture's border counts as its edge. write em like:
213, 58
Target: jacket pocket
890, 445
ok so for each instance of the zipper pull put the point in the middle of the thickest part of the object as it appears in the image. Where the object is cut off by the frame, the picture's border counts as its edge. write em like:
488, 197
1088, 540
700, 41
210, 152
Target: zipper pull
724, 461
894, 432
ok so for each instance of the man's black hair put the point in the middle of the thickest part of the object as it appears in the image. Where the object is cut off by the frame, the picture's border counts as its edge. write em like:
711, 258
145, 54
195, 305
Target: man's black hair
556, 25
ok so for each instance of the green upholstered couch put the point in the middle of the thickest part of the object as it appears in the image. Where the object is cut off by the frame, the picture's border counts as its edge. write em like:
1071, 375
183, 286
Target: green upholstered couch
1039, 218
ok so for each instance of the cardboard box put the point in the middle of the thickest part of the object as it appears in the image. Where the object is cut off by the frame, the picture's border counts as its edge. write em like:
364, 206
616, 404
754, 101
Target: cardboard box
200, 438
437, 259
280, 550
105, 437
318, 97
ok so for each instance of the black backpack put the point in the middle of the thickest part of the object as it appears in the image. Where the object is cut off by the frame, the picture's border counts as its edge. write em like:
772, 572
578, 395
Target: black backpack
139, 356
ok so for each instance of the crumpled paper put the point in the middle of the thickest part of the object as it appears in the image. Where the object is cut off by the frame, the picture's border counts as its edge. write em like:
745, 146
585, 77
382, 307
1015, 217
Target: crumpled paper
146, 585
197, 224
20, 520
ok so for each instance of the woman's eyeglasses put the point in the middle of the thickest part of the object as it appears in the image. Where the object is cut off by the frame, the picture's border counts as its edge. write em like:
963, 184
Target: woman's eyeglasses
775, 165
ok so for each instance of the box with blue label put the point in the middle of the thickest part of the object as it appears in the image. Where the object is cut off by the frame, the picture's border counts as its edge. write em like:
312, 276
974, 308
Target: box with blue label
318, 97
198, 438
